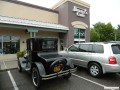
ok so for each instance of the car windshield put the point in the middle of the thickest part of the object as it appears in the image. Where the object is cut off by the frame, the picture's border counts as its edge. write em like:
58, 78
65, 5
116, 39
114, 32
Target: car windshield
116, 49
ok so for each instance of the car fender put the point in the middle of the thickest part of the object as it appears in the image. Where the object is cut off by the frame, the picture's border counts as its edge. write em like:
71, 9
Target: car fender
40, 68
21, 60
69, 62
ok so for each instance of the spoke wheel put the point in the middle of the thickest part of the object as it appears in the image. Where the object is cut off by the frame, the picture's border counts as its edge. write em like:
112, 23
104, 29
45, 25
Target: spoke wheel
36, 77
95, 70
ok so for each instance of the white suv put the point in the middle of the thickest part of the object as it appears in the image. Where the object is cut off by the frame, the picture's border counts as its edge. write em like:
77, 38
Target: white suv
99, 58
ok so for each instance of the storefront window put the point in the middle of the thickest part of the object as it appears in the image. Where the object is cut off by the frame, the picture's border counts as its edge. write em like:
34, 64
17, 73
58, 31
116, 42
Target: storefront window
76, 33
9, 44
1, 51
82, 33
79, 35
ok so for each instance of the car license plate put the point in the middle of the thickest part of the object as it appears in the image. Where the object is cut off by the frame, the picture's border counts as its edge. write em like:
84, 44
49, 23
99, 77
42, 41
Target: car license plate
57, 68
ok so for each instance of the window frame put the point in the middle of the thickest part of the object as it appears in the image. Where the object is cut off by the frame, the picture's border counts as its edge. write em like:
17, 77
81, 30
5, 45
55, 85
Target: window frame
87, 49
12, 47
74, 50
115, 50
98, 45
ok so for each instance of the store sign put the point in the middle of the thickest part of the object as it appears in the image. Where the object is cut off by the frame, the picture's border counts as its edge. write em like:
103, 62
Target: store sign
80, 11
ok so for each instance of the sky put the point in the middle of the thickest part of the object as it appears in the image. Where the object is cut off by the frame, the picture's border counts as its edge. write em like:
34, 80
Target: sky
100, 10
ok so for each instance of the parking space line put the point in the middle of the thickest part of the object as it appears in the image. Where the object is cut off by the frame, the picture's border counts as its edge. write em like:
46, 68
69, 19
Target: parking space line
13, 81
89, 80
11, 78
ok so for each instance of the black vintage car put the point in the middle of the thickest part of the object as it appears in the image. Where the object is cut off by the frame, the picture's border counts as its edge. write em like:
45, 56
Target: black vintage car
43, 61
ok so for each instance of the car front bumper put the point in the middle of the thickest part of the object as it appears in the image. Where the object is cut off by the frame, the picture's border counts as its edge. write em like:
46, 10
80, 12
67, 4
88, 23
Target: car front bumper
61, 73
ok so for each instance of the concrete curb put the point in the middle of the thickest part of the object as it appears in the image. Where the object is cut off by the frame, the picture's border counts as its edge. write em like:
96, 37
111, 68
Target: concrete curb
7, 69
7, 60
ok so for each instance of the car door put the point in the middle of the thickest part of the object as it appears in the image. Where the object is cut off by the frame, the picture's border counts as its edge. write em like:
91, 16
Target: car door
71, 52
83, 56
98, 53
29, 53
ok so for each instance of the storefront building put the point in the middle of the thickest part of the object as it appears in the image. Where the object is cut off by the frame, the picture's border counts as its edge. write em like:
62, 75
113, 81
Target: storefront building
68, 21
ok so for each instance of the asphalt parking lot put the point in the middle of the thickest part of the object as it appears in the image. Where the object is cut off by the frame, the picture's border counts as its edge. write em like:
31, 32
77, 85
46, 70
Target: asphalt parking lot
79, 81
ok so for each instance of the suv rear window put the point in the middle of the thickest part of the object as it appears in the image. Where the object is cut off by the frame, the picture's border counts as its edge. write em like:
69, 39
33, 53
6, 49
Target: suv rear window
116, 49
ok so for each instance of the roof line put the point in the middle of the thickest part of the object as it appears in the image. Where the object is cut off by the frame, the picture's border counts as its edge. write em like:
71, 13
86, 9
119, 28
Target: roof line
32, 23
73, 1
31, 5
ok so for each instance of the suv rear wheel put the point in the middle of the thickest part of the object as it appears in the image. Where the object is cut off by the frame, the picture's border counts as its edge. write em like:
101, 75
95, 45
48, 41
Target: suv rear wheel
95, 70
36, 78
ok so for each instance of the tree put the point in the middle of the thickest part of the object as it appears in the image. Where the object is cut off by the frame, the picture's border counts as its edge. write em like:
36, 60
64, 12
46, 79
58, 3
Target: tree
118, 33
109, 32
94, 36
105, 32
118, 28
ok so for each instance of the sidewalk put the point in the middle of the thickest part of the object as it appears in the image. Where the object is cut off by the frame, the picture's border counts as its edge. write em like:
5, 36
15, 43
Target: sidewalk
8, 64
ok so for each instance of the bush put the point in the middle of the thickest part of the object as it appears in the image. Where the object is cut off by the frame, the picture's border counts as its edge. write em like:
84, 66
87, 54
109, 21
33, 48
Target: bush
21, 53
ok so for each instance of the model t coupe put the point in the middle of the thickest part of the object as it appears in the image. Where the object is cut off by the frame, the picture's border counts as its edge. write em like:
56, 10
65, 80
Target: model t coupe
43, 61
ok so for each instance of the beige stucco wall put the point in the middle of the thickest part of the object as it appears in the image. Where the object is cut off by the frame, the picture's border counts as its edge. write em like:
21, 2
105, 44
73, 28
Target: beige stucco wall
47, 34
22, 11
14, 32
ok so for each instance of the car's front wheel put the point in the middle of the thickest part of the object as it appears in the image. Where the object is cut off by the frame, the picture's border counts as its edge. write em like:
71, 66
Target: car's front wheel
95, 70
36, 78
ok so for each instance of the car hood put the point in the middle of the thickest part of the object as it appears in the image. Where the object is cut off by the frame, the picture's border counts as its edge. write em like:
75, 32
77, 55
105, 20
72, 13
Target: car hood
49, 55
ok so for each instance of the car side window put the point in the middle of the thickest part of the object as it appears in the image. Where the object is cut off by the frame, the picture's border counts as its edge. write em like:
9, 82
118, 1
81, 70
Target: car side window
90, 49
74, 48
83, 48
98, 49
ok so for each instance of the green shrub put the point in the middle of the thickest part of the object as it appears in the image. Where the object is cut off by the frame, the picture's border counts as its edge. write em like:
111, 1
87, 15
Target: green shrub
21, 53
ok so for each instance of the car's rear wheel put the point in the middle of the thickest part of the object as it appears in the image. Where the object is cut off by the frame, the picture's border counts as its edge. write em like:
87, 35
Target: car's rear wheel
19, 67
95, 70
36, 78
67, 76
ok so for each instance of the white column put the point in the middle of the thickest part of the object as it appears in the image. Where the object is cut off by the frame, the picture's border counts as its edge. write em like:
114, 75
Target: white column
34, 34
31, 34
2, 43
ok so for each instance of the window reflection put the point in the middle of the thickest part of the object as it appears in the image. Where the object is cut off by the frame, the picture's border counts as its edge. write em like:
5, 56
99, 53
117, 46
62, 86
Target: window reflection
82, 33
9, 44
1, 51
79, 33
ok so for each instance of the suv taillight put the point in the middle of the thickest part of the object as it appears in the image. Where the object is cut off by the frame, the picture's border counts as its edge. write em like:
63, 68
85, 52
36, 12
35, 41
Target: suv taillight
112, 60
